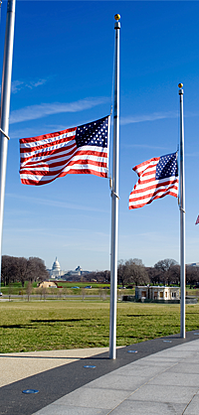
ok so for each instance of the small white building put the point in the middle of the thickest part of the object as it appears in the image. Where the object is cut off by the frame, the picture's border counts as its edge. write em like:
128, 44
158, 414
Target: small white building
157, 293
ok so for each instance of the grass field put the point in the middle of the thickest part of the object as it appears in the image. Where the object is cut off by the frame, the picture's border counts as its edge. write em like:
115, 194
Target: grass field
78, 324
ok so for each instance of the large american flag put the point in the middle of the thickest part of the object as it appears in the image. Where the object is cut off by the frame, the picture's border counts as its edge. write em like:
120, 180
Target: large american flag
78, 150
158, 177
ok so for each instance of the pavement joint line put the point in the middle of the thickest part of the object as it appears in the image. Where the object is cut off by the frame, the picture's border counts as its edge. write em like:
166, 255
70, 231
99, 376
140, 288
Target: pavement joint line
145, 383
190, 402
43, 357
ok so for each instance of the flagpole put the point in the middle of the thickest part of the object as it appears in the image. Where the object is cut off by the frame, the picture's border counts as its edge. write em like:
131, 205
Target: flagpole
182, 216
5, 108
115, 197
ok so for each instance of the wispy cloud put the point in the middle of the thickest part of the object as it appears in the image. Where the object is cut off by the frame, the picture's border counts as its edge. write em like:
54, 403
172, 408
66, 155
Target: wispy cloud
196, 154
54, 203
19, 85
88, 246
36, 130
145, 146
34, 112
148, 117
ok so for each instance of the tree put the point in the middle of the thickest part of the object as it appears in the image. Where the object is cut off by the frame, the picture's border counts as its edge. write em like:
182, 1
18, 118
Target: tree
154, 275
192, 275
10, 290
122, 272
36, 269
8, 269
29, 290
174, 274
164, 268
22, 269
132, 271
137, 272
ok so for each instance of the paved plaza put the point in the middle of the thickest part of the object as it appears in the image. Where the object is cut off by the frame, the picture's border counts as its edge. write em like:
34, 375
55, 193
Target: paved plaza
160, 376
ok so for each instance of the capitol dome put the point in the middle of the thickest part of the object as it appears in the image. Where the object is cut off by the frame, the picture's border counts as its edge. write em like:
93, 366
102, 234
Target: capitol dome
56, 269
56, 265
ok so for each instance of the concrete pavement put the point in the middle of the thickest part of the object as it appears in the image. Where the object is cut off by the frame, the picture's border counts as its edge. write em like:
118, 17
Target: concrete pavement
166, 382
160, 376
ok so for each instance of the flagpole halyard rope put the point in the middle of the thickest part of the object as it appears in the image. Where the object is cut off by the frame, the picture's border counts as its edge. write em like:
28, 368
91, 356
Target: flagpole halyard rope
3, 132
115, 194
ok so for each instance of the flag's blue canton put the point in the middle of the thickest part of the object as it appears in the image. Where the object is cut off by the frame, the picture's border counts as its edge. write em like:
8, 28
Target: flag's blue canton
93, 134
167, 167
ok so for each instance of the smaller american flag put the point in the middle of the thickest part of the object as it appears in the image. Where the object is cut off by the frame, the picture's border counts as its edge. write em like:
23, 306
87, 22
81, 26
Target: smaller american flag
158, 177
78, 150
197, 220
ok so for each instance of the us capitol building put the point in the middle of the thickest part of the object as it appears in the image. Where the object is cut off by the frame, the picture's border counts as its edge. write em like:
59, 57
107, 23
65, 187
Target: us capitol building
56, 271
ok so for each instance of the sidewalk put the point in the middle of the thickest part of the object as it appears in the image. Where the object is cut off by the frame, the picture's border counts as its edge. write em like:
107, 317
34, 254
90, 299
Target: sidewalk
164, 383
18, 366
161, 378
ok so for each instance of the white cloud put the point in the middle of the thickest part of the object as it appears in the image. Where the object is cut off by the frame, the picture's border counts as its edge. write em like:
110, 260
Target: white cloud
54, 203
145, 146
34, 112
35, 84
148, 117
19, 85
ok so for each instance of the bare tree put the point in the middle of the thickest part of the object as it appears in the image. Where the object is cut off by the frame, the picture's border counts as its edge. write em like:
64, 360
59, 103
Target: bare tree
154, 275
122, 272
192, 275
83, 293
8, 269
36, 269
164, 267
65, 291
10, 290
174, 275
22, 269
132, 271
29, 290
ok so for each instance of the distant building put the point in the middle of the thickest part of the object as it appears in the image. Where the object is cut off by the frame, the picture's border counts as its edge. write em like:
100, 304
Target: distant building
56, 271
157, 293
78, 271
193, 264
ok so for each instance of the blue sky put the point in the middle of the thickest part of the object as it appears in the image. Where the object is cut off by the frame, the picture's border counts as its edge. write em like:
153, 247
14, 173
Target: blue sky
62, 77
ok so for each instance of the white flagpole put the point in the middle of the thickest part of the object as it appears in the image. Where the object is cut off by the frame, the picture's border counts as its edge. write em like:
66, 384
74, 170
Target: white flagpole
115, 197
5, 108
182, 216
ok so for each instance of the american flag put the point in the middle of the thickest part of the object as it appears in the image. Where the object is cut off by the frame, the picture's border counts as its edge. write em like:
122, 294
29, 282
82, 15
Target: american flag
78, 150
197, 220
158, 177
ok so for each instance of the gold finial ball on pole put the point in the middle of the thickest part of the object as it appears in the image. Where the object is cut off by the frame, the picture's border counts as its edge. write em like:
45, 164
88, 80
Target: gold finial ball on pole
117, 17
180, 85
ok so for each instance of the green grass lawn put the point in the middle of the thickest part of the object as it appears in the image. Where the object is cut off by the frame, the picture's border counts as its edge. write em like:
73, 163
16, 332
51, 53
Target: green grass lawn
49, 325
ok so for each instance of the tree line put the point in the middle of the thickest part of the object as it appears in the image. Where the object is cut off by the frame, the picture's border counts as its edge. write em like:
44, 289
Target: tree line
130, 272
20, 269
166, 272
133, 272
